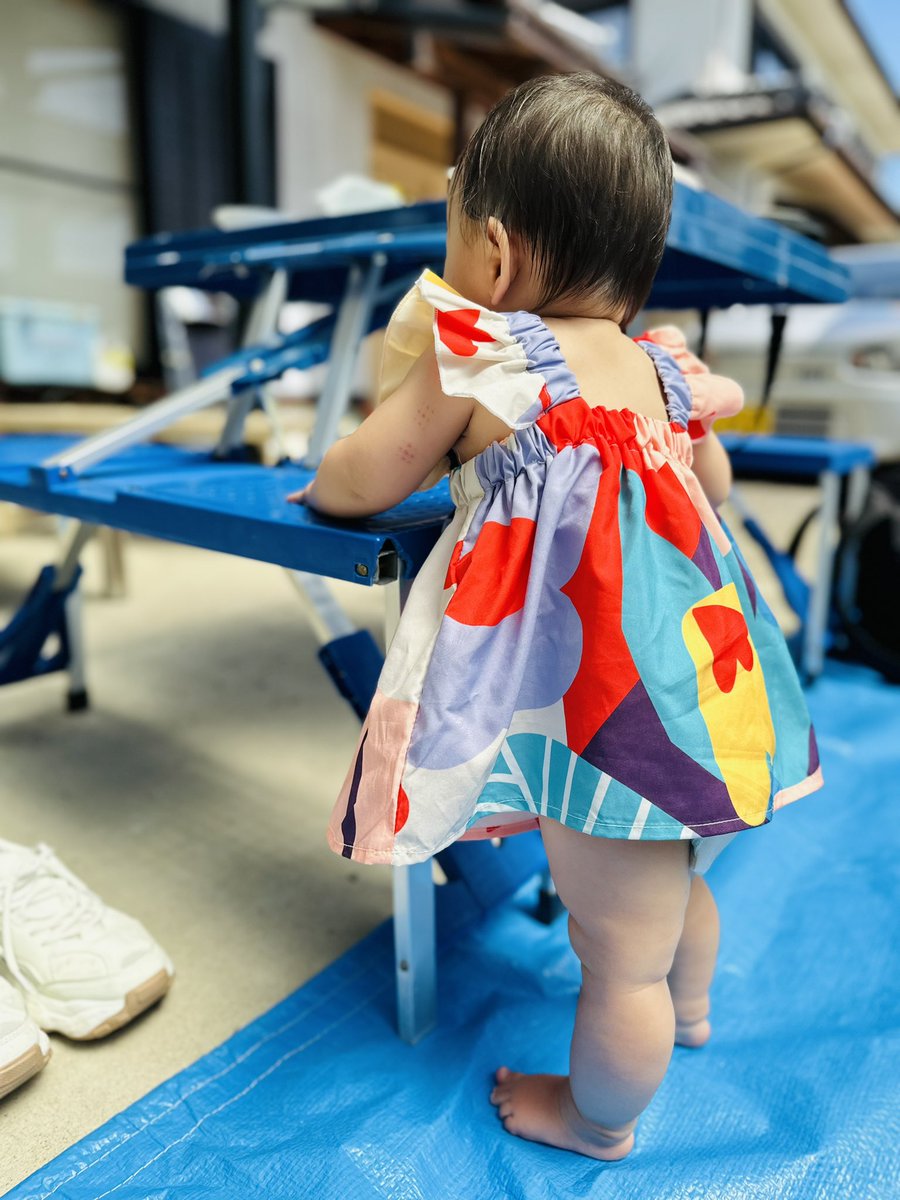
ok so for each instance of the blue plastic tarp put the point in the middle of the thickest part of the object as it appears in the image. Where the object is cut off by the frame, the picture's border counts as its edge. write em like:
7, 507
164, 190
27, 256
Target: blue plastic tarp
795, 1098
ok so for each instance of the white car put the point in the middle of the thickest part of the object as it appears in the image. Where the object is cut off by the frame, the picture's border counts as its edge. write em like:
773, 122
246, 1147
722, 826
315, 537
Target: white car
838, 372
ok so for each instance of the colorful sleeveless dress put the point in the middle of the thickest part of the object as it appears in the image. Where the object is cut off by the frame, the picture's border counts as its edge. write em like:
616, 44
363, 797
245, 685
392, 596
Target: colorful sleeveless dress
584, 642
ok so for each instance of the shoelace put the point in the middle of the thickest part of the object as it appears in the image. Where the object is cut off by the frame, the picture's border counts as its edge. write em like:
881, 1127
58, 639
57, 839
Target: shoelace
32, 892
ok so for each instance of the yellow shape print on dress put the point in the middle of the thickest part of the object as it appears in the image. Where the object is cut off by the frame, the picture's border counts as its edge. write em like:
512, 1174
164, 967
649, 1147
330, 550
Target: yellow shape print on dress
733, 699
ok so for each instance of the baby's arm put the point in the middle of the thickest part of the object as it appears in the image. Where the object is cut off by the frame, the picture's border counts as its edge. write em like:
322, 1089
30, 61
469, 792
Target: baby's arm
394, 449
712, 396
712, 467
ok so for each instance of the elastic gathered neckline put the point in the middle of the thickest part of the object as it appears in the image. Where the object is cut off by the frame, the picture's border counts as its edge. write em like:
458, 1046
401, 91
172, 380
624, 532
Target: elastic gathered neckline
523, 449
545, 354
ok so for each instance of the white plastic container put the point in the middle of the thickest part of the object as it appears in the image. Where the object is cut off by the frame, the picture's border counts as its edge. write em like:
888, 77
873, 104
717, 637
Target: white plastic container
44, 343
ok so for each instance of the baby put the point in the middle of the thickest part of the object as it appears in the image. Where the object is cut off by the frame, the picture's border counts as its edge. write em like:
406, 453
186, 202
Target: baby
584, 651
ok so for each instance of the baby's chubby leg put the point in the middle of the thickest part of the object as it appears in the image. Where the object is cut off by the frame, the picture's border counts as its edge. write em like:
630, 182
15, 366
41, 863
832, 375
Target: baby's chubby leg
626, 902
692, 969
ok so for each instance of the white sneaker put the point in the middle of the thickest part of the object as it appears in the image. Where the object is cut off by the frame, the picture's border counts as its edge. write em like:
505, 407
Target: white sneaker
24, 1049
83, 968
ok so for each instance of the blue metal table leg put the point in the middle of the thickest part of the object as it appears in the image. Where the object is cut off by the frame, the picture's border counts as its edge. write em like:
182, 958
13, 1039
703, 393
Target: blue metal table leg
814, 633
414, 951
414, 909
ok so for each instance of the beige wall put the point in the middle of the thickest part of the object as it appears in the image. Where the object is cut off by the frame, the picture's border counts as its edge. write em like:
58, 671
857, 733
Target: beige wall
63, 108
324, 117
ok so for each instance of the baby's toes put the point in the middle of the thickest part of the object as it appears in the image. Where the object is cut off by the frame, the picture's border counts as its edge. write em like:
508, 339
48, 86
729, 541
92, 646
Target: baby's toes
510, 1124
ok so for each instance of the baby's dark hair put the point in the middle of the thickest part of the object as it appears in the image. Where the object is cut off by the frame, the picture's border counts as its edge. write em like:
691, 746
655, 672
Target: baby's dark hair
579, 168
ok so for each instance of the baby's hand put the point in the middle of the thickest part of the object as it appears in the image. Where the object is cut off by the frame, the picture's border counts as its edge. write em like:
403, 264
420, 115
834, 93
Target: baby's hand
300, 497
712, 396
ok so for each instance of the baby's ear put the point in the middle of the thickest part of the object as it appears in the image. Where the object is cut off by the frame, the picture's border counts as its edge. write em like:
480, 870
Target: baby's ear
496, 232
504, 260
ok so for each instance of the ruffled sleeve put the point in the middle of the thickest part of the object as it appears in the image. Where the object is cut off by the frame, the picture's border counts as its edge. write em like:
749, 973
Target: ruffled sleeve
478, 355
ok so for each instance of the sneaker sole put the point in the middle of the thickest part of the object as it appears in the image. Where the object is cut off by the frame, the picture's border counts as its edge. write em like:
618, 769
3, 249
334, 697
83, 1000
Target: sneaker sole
138, 1000
15, 1073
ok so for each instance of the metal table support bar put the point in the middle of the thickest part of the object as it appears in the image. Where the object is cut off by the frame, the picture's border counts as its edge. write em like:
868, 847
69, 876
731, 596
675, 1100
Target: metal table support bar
813, 657
325, 615
360, 298
832, 519
262, 328
158, 416
262, 325
77, 696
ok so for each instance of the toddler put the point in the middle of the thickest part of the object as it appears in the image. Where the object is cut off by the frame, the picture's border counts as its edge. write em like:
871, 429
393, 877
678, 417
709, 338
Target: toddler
584, 650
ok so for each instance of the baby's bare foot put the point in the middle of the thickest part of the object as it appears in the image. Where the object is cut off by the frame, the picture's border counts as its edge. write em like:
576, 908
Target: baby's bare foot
692, 1033
541, 1109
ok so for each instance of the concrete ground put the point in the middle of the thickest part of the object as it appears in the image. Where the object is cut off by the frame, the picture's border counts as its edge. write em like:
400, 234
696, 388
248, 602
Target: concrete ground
194, 794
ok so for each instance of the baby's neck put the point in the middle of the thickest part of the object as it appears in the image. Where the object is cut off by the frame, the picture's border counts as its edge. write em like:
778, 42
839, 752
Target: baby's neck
600, 324
574, 310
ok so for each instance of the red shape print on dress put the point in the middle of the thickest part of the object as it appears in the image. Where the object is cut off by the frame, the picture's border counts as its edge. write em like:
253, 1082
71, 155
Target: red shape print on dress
565, 425
727, 635
670, 511
459, 331
492, 579
457, 566
607, 672
402, 810
576, 421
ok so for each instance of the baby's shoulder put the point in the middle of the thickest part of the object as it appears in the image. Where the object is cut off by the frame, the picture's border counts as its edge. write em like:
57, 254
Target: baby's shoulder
612, 370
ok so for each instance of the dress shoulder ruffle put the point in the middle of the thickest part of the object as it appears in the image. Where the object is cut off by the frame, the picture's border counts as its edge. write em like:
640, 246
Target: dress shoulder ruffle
508, 362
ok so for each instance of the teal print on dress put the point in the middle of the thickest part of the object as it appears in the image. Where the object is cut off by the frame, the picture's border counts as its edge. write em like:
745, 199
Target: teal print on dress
536, 774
